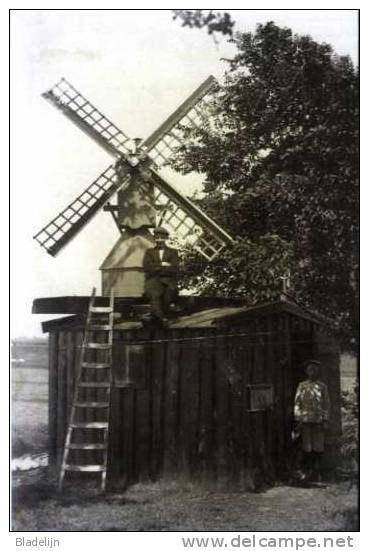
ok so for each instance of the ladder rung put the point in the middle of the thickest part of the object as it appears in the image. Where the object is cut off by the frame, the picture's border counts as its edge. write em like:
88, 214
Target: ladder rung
90, 425
91, 404
101, 309
86, 468
98, 345
87, 446
98, 365
97, 327
102, 384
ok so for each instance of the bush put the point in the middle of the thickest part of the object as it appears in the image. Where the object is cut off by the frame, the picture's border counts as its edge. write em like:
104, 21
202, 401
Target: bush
350, 436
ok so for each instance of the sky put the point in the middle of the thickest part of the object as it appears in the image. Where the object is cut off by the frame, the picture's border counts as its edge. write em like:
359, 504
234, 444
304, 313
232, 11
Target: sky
136, 66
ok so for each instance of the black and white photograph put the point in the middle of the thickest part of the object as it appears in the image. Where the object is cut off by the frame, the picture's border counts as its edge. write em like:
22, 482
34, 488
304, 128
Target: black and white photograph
184, 298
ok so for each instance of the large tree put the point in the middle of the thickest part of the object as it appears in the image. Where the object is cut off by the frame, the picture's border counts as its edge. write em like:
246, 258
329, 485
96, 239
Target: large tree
279, 150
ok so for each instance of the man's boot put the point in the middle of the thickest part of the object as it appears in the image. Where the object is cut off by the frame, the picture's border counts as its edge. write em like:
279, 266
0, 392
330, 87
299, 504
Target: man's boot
305, 472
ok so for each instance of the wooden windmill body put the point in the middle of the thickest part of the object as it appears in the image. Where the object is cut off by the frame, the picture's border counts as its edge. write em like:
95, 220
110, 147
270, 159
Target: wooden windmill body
144, 197
135, 214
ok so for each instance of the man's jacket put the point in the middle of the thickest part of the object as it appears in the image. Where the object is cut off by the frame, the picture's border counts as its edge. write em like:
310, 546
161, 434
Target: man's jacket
153, 268
312, 403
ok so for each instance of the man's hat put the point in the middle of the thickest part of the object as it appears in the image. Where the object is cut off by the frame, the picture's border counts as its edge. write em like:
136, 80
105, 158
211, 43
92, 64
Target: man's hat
159, 230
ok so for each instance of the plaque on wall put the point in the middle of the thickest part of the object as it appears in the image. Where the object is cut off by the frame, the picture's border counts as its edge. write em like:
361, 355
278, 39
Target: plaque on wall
260, 397
129, 366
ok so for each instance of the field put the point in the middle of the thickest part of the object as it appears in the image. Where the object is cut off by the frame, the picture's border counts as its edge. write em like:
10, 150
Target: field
162, 506
29, 397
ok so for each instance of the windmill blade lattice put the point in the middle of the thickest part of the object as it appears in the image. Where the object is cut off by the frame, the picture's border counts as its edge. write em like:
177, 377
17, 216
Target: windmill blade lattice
57, 233
187, 222
186, 229
88, 118
161, 145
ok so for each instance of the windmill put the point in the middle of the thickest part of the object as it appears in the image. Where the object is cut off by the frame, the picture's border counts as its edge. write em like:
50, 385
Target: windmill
144, 197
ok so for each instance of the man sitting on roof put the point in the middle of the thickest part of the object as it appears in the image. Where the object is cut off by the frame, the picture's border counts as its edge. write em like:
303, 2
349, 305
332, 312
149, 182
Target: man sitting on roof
161, 267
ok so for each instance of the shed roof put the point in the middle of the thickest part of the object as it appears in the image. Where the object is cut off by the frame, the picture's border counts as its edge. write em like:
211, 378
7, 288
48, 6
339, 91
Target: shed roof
79, 304
282, 305
224, 316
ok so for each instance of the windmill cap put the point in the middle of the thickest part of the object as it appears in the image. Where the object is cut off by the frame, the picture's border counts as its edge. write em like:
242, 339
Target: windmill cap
160, 231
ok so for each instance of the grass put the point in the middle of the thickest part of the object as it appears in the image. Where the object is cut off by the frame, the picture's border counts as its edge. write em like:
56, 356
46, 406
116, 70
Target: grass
29, 432
171, 506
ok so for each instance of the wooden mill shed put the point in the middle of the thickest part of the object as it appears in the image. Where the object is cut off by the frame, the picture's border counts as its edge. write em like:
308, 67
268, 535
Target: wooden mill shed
209, 399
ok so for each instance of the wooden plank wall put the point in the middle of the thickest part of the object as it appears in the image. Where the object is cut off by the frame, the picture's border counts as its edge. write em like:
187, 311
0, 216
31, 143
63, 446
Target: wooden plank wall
53, 398
190, 419
64, 356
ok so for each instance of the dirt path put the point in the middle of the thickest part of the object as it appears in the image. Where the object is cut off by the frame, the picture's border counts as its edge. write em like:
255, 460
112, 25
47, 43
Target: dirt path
171, 507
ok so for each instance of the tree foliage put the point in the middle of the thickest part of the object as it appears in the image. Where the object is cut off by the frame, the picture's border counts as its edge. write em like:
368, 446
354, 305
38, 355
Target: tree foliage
215, 23
279, 149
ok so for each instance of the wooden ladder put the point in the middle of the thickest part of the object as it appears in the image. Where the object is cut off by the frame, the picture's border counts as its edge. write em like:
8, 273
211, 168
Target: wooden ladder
87, 433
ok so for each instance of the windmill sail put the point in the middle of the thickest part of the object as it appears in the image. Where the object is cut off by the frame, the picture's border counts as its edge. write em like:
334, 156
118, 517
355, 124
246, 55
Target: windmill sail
162, 143
187, 221
179, 214
57, 233
88, 118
